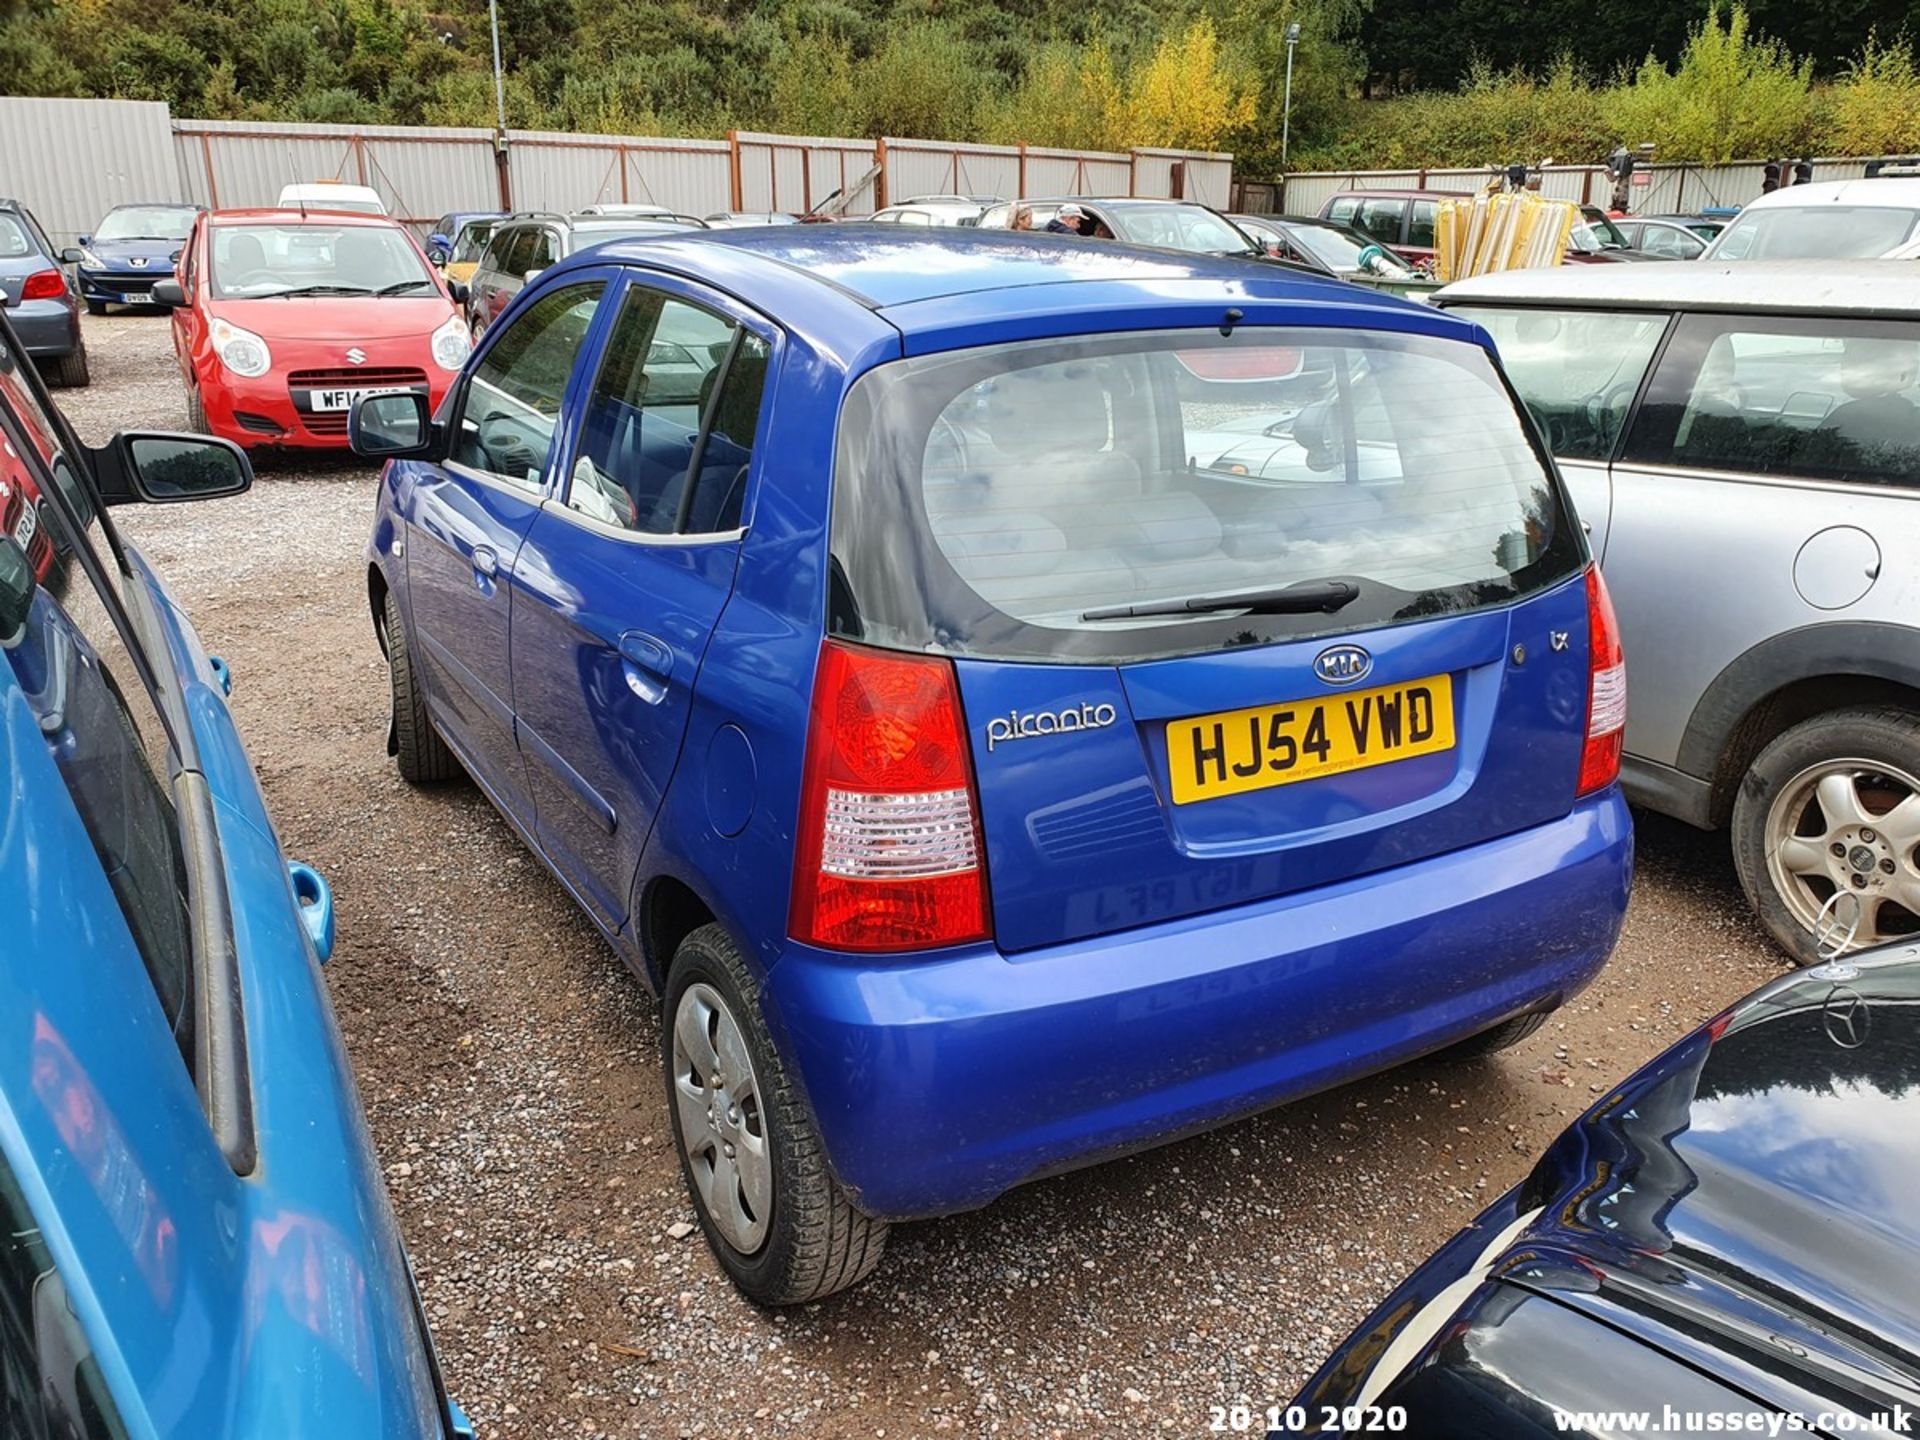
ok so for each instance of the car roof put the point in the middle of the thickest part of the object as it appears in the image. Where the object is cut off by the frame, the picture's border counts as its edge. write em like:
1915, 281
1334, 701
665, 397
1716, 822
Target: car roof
290, 215
1891, 192
1867, 287
884, 268
1390, 194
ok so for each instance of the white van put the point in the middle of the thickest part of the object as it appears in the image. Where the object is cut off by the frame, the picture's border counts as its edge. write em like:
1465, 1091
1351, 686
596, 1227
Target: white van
332, 195
1827, 220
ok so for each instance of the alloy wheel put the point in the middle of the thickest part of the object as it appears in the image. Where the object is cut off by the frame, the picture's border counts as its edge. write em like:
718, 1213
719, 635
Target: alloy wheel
723, 1134
1849, 826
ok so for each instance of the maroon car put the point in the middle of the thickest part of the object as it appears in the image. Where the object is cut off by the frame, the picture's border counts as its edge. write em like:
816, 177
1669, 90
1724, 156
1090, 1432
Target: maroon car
1403, 221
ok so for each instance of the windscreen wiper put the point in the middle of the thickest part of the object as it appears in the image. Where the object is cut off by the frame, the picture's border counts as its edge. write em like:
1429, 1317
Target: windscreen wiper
313, 290
1325, 596
399, 286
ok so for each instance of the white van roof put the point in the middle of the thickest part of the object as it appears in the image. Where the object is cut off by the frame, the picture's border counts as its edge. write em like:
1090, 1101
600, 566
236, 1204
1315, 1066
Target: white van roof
332, 195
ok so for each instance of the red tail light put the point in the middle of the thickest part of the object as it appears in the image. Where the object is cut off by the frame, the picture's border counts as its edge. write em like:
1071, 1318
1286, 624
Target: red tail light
889, 854
44, 285
1606, 690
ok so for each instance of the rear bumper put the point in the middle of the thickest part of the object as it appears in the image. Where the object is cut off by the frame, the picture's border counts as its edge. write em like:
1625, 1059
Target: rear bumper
939, 1083
47, 328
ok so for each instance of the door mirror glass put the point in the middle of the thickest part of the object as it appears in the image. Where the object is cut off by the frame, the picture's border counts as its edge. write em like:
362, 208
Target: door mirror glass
168, 293
72, 255
383, 426
165, 468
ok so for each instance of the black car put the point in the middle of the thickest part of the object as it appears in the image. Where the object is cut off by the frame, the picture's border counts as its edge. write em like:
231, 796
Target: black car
521, 246
1732, 1232
41, 299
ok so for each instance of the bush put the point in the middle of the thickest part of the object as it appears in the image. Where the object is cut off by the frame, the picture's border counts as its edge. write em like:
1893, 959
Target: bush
1875, 109
924, 82
1184, 96
1732, 96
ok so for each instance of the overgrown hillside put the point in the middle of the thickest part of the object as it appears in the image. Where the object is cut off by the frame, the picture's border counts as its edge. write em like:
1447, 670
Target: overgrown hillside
1700, 82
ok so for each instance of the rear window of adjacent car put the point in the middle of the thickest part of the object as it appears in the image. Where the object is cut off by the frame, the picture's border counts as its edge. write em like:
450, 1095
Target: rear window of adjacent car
1816, 232
14, 240
986, 500
1578, 370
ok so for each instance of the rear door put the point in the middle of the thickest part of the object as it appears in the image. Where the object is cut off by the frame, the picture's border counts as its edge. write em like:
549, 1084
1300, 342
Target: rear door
1137, 768
625, 573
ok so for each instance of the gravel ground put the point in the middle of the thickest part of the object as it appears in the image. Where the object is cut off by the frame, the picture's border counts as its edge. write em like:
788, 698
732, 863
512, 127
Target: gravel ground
509, 1067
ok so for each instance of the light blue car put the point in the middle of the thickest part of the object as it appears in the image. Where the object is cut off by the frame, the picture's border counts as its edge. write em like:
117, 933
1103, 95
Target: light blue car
194, 1237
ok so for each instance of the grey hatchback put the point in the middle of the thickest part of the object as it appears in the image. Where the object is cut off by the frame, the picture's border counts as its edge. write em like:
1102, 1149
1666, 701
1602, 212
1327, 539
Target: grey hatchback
521, 246
39, 296
1742, 442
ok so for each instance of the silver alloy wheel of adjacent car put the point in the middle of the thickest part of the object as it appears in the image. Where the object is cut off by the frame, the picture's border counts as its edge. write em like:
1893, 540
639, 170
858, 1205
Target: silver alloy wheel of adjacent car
1853, 826
722, 1125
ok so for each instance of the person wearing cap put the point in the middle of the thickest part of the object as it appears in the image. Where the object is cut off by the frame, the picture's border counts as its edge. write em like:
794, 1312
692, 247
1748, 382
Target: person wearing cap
1068, 221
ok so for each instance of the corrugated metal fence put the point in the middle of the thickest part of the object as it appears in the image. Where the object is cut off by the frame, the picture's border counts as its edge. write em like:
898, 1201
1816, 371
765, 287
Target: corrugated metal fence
73, 159
1671, 189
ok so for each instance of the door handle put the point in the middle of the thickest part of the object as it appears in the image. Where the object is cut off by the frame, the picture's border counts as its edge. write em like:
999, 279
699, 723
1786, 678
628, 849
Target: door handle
648, 663
485, 562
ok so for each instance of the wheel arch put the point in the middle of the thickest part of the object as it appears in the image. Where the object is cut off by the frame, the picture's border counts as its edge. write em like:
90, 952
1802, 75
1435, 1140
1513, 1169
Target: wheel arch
1786, 679
377, 591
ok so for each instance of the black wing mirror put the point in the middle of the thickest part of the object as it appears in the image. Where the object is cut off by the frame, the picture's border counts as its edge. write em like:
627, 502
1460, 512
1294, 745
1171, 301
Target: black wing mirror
168, 293
460, 290
394, 426
164, 468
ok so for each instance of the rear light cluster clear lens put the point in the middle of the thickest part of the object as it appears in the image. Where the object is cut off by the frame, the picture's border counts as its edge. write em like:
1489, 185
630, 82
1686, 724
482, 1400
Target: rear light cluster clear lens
43, 285
1606, 690
889, 854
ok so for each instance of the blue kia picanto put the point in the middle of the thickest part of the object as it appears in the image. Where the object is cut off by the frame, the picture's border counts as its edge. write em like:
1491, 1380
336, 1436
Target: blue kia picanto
1017, 699
195, 1240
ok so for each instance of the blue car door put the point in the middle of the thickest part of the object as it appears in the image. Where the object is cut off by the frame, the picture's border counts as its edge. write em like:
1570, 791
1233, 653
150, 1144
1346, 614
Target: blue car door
624, 574
467, 516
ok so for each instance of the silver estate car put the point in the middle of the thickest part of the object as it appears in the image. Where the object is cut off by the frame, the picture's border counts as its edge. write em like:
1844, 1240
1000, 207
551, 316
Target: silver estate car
1742, 442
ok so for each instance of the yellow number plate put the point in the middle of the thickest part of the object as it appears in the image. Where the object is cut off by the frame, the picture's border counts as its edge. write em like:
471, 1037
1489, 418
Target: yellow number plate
1238, 750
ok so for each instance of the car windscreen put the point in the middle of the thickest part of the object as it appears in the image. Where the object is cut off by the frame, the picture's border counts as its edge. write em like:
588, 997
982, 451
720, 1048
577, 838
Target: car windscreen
471, 240
262, 261
988, 501
1815, 232
1339, 250
146, 222
1179, 227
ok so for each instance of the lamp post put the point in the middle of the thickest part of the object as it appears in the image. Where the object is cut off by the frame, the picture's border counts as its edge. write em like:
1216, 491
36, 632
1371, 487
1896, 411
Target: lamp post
1287, 108
500, 161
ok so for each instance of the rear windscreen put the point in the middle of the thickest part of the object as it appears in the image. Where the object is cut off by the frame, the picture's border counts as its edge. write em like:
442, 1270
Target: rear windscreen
992, 501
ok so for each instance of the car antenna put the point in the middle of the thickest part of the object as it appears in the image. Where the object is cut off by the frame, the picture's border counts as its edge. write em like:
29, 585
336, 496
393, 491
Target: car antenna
293, 184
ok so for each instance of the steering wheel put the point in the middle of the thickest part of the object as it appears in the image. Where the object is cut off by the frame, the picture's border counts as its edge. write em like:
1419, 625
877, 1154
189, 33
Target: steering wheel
1612, 401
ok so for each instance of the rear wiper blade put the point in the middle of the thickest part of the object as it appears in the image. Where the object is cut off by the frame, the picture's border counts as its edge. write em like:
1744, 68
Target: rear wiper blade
1326, 596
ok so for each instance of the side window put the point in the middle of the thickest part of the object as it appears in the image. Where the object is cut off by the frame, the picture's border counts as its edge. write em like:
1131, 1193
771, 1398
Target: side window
50, 1382
1673, 244
1383, 219
515, 248
1821, 399
512, 402
1342, 211
679, 388
77, 674
1420, 227
540, 251
1577, 370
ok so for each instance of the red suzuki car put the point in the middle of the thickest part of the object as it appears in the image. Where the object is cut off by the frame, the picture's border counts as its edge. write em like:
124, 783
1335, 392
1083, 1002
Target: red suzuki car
283, 318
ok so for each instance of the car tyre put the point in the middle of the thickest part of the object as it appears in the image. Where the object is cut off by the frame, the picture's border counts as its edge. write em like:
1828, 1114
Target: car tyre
197, 414
1504, 1036
96, 307
71, 370
1878, 749
811, 1242
421, 755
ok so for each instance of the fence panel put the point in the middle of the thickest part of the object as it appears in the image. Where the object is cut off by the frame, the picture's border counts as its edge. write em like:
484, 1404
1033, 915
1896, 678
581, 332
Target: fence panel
554, 171
70, 161
927, 167
420, 173
795, 173
1206, 179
